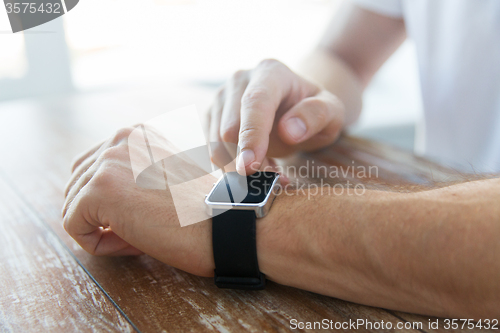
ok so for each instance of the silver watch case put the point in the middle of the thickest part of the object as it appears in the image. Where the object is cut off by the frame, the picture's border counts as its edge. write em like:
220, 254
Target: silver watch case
261, 209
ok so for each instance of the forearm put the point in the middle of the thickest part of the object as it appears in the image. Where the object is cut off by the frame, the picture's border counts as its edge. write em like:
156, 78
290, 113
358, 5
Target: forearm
329, 71
432, 252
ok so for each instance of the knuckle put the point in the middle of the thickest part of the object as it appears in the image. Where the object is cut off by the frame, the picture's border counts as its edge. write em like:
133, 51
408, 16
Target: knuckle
103, 179
239, 75
269, 62
249, 132
254, 96
75, 163
320, 110
75, 208
229, 133
122, 133
66, 224
112, 153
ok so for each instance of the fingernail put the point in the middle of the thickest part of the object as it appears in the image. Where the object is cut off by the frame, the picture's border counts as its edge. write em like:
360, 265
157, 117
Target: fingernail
296, 128
246, 157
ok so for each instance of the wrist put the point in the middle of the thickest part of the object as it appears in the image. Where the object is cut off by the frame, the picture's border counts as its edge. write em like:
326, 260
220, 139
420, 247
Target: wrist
273, 237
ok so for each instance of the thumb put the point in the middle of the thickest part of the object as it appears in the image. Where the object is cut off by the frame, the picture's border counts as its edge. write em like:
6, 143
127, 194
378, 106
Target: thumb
313, 122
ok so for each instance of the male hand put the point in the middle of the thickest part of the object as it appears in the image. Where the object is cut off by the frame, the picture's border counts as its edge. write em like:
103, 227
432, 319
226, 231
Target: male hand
108, 213
271, 111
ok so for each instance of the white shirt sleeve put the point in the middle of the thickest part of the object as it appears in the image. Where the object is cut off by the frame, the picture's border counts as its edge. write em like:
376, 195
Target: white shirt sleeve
392, 8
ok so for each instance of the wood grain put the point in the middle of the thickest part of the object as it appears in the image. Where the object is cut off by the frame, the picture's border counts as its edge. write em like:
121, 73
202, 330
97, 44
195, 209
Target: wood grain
44, 137
43, 287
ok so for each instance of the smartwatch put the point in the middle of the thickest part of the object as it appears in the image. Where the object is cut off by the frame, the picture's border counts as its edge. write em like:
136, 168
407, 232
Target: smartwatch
235, 202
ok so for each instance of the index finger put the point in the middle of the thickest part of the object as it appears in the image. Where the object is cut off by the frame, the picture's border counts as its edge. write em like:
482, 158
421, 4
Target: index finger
259, 103
272, 85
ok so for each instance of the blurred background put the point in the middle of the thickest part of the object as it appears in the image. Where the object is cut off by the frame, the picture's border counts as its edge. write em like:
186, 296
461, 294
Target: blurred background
122, 45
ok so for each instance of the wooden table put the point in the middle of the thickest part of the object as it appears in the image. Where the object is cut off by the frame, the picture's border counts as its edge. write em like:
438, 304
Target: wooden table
50, 284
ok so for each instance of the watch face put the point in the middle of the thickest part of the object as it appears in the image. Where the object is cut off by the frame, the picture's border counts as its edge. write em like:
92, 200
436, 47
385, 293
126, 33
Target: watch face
234, 188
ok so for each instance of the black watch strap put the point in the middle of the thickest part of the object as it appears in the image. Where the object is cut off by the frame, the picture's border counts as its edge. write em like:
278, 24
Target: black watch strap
235, 250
